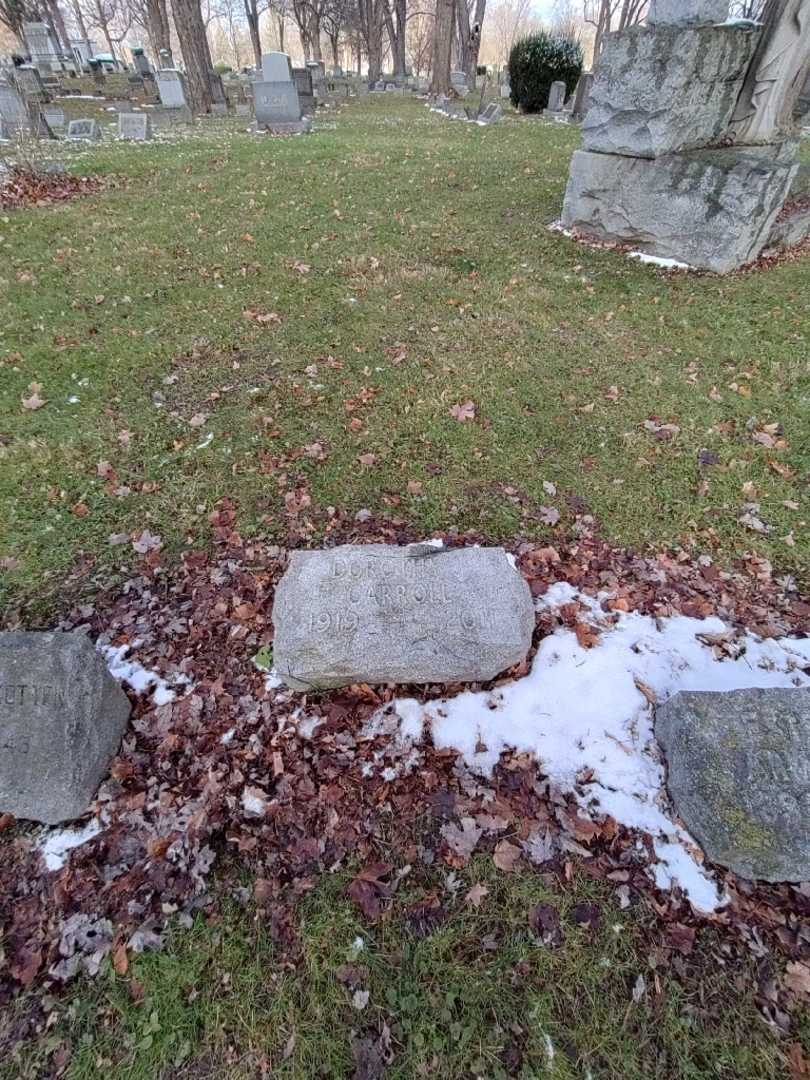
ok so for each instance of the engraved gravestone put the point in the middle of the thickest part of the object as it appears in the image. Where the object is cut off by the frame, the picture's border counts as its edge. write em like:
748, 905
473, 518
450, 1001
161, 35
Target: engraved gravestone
738, 772
84, 129
135, 126
416, 614
62, 717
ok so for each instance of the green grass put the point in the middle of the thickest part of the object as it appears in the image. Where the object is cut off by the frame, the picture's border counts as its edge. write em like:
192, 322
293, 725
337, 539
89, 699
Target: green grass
477, 995
418, 233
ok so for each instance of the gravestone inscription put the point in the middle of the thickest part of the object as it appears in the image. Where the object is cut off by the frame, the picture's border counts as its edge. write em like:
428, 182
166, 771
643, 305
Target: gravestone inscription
84, 129
738, 772
62, 717
382, 614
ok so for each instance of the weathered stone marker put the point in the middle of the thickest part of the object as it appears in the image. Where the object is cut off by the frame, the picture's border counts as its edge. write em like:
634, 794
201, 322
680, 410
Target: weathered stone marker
739, 776
62, 717
416, 614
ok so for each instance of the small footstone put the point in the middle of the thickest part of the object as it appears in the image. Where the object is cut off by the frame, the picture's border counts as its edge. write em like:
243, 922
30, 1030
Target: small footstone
417, 614
62, 717
739, 777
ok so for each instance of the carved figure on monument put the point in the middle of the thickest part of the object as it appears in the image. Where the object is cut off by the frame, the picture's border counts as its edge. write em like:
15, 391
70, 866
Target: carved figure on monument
776, 76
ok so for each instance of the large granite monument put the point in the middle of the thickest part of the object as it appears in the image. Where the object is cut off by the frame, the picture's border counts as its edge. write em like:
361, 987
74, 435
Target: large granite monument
275, 98
689, 146
62, 717
416, 614
738, 772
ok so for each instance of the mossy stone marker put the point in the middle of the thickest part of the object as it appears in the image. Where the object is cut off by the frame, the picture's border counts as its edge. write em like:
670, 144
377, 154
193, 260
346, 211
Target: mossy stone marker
738, 766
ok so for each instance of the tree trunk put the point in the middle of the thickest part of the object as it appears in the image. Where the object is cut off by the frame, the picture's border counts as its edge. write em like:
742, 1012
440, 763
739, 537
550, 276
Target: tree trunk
58, 24
157, 27
196, 53
395, 22
315, 34
442, 46
252, 15
282, 26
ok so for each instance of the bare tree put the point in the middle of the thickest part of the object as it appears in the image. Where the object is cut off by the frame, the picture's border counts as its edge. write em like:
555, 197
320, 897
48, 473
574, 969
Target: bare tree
13, 13
607, 15
308, 15
420, 40
371, 20
335, 22
443, 33
747, 9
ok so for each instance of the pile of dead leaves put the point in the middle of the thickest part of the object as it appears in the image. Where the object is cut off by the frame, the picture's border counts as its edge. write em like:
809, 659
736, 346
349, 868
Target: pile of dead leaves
235, 774
23, 188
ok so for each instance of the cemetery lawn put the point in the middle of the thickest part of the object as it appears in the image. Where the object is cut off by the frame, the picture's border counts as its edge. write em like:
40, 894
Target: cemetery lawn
292, 324
472, 992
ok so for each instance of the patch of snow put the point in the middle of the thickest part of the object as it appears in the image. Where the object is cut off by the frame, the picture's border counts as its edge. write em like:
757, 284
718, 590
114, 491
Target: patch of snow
580, 711
273, 680
138, 678
656, 260
56, 845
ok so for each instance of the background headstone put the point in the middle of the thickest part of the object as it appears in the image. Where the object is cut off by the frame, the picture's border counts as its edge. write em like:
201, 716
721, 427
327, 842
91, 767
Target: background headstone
418, 614
63, 716
84, 129
14, 115
738, 772
276, 67
556, 97
135, 126
171, 86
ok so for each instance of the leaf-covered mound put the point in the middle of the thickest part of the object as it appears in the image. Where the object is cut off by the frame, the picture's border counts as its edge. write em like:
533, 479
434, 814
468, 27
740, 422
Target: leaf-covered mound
23, 188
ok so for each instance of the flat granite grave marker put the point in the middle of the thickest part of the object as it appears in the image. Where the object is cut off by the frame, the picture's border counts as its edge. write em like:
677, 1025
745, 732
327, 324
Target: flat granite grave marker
62, 718
382, 614
738, 772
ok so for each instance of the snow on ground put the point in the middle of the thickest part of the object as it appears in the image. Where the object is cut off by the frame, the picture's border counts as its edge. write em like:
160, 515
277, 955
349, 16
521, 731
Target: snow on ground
139, 678
657, 260
582, 709
56, 845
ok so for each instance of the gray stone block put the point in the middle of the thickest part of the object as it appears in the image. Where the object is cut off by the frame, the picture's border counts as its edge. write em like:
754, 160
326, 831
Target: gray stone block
381, 614
63, 716
738, 766
660, 90
712, 209
792, 228
686, 12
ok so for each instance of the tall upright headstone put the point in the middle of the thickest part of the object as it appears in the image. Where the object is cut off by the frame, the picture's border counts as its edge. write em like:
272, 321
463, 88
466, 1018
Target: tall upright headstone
276, 104
688, 144
556, 97
171, 86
